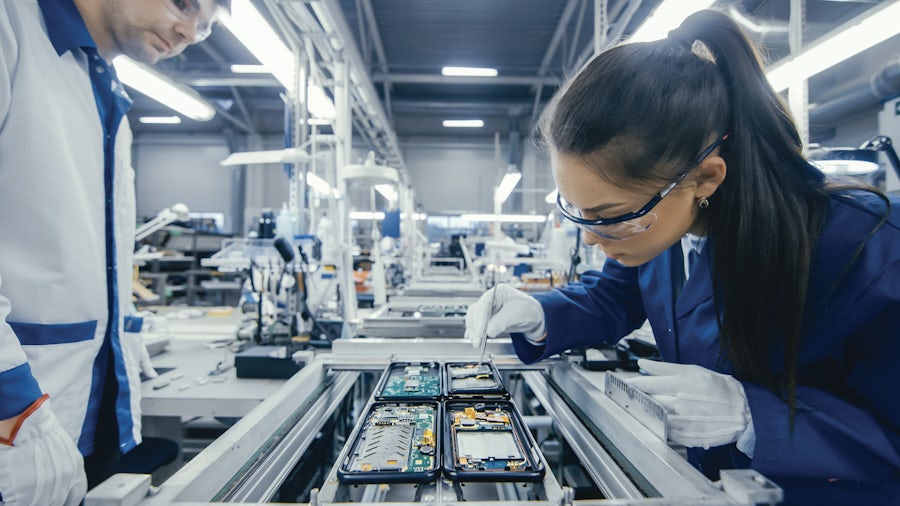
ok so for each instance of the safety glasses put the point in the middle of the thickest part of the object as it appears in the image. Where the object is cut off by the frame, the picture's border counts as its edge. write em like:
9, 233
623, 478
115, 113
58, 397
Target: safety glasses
629, 225
189, 10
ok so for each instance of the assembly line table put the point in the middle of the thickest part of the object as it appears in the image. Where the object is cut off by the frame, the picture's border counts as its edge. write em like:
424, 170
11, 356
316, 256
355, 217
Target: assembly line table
186, 389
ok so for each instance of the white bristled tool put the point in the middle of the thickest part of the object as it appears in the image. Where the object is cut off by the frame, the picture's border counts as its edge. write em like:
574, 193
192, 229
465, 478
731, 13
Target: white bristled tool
487, 320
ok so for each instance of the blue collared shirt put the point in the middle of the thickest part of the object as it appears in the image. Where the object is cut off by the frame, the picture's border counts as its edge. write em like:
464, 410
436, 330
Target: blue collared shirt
67, 31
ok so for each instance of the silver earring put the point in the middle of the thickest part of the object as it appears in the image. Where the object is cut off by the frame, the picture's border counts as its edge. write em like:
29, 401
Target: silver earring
703, 203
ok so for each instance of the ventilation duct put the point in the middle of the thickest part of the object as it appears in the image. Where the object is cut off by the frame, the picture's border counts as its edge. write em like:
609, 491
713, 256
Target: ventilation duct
882, 86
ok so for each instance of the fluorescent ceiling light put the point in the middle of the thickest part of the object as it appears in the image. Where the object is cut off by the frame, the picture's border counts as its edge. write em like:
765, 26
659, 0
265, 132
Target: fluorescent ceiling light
160, 120
505, 188
164, 90
667, 16
850, 39
469, 72
290, 155
387, 191
505, 218
366, 215
550, 198
252, 30
463, 123
250, 69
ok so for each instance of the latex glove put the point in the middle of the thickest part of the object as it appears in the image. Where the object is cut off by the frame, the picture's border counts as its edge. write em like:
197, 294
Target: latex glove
705, 408
146, 364
42, 465
501, 310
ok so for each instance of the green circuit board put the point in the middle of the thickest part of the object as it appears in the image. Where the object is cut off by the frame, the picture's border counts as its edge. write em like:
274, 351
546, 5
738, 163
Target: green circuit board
396, 437
414, 380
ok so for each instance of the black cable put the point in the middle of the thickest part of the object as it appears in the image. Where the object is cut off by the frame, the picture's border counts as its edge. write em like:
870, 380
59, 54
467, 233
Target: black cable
575, 260
257, 337
305, 313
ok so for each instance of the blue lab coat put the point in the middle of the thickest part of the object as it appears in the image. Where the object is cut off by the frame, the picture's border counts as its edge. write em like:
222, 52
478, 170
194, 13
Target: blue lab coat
845, 444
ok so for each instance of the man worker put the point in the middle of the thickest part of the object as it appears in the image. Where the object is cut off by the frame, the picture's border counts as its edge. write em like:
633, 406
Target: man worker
67, 235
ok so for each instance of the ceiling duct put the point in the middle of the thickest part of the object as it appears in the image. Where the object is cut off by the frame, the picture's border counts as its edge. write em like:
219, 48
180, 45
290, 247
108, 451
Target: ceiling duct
881, 86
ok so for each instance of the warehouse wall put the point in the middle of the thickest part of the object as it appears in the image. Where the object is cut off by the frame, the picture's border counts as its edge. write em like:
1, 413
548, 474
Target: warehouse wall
171, 169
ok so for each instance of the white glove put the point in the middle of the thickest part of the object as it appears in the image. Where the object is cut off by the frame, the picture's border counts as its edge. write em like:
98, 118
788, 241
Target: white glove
705, 408
146, 363
511, 311
42, 466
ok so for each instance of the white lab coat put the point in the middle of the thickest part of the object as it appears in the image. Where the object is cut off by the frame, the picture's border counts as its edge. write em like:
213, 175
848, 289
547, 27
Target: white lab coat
53, 272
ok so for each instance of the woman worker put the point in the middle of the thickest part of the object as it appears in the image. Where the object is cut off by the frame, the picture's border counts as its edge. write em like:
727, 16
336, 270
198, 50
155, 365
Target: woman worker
782, 348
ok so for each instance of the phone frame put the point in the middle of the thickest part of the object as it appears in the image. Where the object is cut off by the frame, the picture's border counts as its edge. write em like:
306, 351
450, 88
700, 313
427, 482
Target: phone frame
346, 475
523, 437
394, 366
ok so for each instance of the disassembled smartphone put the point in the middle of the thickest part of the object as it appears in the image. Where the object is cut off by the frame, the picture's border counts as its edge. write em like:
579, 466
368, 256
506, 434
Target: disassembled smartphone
487, 441
410, 381
397, 442
473, 380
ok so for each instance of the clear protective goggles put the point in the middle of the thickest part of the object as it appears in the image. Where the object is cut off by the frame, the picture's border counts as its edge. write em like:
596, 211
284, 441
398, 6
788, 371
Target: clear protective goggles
614, 231
189, 10
628, 225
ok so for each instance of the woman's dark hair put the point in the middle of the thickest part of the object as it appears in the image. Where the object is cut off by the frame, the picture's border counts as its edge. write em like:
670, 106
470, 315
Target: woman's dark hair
638, 113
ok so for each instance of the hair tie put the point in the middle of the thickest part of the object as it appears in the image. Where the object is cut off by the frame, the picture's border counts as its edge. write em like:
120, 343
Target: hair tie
680, 38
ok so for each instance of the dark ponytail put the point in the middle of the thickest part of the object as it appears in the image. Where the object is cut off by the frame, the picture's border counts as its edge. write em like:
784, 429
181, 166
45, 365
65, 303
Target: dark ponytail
767, 219
641, 111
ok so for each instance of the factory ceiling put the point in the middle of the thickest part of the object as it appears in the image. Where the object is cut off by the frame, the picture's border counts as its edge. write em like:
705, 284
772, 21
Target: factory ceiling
403, 44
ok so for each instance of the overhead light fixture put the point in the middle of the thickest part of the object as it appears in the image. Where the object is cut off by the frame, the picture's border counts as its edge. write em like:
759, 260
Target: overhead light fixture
387, 191
505, 218
249, 69
667, 16
366, 215
469, 72
550, 198
160, 120
251, 29
463, 123
872, 27
290, 155
506, 186
183, 99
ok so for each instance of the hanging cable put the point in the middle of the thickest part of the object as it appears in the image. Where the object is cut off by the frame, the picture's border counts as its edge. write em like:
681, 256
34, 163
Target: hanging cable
575, 259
